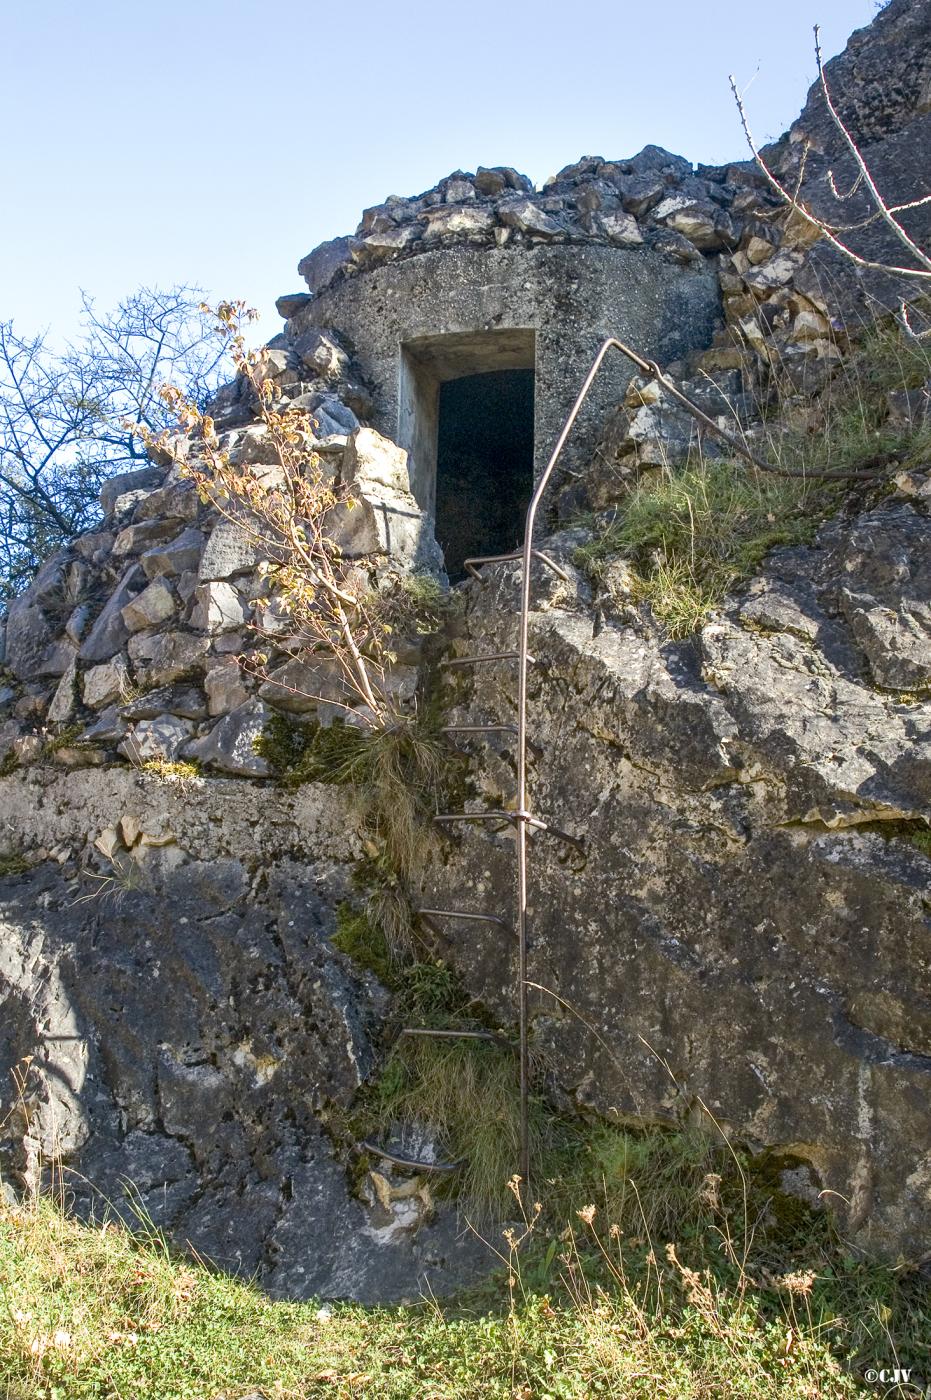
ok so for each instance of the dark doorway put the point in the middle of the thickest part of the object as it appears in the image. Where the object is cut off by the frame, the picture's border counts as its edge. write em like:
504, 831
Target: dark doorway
484, 464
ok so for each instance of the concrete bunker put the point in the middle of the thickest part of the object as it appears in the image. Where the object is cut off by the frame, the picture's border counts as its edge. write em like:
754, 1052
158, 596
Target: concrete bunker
466, 411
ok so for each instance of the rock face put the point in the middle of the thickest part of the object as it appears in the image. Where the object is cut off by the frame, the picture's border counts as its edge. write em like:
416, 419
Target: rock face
749, 926
194, 1062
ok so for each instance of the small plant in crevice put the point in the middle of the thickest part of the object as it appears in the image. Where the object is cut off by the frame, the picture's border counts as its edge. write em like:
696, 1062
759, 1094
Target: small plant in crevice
396, 776
13, 864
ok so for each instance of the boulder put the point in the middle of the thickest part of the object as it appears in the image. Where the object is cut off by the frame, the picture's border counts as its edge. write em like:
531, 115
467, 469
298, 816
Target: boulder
136, 538
230, 745
154, 605
178, 556
105, 683
164, 657
128, 482
226, 686
160, 738
300, 686
328, 261
218, 607
33, 647
109, 633
321, 354
528, 218
65, 698
450, 222
186, 701
374, 460
229, 551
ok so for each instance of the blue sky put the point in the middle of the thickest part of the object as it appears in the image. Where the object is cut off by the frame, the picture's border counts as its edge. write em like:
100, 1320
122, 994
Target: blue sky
217, 141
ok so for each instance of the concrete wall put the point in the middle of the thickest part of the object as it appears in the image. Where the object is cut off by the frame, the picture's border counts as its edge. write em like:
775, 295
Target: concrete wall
510, 308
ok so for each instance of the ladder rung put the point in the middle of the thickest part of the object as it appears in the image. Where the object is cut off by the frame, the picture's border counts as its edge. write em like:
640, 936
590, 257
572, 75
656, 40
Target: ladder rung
411, 1162
470, 564
450, 1035
535, 749
477, 660
462, 914
513, 818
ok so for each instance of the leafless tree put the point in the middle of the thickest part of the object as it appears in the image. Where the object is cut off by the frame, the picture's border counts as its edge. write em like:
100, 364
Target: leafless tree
63, 413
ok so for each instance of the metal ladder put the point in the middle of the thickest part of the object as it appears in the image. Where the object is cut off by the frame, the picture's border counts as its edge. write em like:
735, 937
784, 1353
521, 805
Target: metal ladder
522, 818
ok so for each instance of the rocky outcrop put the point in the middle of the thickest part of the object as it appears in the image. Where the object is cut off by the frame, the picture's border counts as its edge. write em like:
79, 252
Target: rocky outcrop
190, 1021
748, 928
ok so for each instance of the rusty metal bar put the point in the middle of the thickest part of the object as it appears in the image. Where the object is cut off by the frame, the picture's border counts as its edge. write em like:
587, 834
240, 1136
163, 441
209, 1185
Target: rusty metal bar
411, 1163
462, 914
469, 564
476, 660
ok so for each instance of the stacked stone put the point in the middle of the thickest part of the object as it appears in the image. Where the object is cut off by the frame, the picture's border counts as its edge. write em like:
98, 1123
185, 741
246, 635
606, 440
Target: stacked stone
141, 640
653, 200
778, 343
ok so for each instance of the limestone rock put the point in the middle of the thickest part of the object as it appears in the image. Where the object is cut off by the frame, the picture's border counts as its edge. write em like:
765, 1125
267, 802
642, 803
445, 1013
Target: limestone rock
127, 482
162, 658
226, 686
523, 215
885, 595
321, 353
301, 686
178, 556
228, 552
32, 648
136, 538
65, 698
218, 607
452, 221
154, 605
373, 460
186, 701
230, 745
161, 738
105, 683
110, 632
328, 261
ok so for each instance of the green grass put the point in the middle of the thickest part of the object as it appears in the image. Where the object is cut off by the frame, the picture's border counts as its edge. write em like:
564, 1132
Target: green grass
171, 770
396, 776
693, 533
93, 1313
13, 865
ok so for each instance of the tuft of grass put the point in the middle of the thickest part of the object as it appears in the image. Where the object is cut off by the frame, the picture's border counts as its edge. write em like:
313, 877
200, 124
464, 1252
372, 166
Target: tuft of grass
13, 865
395, 775
363, 942
693, 533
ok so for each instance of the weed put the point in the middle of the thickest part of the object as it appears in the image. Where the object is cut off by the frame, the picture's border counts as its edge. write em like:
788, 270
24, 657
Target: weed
395, 776
64, 739
363, 941
695, 532
13, 865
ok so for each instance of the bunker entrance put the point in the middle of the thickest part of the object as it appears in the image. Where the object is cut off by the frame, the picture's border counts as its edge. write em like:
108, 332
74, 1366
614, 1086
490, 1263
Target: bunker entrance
484, 464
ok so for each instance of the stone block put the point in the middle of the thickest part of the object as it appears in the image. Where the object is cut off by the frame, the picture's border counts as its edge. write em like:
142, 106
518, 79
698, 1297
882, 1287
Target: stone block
106, 683
154, 605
